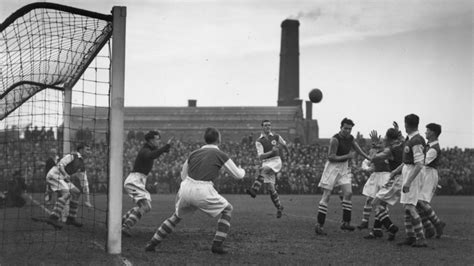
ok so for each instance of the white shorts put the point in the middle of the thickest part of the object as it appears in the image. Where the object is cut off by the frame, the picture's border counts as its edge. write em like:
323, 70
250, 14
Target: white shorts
269, 176
428, 183
135, 187
274, 163
375, 182
390, 192
199, 195
55, 181
335, 174
412, 196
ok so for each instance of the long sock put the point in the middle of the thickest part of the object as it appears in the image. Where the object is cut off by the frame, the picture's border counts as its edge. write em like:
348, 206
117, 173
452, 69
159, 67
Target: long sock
58, 207
431, 214
258, 183
125, 216
367, 210
73, 206
377, 225
223, 227
275, 199
165, 229
322, 211
408, 224
418, 227
346, 211
134, 216
425, 219
384, 218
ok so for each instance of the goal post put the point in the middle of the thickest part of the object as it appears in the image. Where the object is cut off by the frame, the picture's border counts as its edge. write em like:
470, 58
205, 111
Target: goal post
114, 233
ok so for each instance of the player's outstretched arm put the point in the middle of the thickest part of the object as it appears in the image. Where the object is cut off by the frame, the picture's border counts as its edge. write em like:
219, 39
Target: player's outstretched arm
359, 150
234, 170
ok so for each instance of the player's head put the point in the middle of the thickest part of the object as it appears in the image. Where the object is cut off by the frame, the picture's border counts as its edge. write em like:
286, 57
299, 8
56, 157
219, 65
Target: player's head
433, 131
83, 148
153, 137
392, 135
346, 126
266, 126
53, 152
212, 136
411, 123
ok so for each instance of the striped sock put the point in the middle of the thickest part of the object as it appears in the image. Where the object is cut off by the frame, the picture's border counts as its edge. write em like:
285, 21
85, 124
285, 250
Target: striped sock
384, 218
346, 210
418, 227
165, 229
134, 216
275, 199
367, 210
322, 211
432, 215
73, 206
258, 183
408, 224
223, 226
58, 207
125, 216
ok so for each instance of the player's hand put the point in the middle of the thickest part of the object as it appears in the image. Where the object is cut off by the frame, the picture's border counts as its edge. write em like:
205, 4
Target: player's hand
406, 189
374, 136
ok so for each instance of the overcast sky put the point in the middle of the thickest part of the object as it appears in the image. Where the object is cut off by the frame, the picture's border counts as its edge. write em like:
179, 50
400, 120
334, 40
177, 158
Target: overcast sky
375, 61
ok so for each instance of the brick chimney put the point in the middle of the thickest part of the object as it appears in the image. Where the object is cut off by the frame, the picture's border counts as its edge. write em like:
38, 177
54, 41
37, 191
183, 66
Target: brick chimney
289, 83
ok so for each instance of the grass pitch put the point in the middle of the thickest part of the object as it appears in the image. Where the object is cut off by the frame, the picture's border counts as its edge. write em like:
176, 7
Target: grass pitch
256, 236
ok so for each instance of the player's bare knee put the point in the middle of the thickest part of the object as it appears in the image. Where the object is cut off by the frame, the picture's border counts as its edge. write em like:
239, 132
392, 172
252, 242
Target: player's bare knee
228, 209
145, 206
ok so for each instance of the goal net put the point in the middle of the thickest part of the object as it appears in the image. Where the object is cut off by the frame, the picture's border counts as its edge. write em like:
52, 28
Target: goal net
55, 76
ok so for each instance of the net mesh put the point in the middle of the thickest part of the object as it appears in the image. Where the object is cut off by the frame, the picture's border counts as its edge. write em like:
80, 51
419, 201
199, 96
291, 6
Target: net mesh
47, 51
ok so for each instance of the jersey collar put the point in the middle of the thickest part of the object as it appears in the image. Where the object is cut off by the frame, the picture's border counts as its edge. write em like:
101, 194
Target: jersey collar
212, 146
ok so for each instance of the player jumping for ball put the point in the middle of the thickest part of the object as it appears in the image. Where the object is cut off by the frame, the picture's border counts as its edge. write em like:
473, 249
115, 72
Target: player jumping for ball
268, 150
136, 180
197, 191
337, 173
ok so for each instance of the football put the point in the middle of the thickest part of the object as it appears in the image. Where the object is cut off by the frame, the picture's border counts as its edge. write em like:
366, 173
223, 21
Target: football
315, 95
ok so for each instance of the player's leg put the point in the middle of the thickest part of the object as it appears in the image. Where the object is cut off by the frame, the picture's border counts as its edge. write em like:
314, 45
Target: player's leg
409, 231
257, 184
427, 224
366, 214
322, 212
163, 231
430, 215
270, 184
62, 198
347, 207
144, 206
383, 216
73, 206
223, 228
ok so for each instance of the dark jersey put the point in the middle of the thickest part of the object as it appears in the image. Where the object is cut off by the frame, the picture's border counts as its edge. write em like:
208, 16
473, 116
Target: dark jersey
408, 156
397, 156
50, 163
144, 161
73, 163
204, 164
268, 142
345, 144
435, 162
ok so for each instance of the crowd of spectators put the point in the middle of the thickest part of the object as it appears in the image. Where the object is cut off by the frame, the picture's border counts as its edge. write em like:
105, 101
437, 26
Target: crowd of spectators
301, 172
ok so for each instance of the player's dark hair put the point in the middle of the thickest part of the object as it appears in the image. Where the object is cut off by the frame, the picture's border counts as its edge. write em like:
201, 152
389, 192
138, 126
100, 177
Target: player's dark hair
151, 135
347, 121
211, 135
435, 128
412, 120
265, 121
392, 134
81, 146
